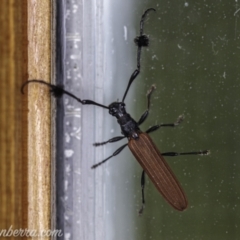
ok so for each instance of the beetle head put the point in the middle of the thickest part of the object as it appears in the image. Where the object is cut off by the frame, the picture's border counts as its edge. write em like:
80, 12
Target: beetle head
117, 109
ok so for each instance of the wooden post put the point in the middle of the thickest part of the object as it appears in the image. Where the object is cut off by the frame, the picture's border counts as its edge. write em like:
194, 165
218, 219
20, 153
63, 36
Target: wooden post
39, 135
25, 141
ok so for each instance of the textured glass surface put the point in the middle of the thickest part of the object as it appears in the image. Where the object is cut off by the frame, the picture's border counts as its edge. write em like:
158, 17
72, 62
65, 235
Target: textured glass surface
193, 59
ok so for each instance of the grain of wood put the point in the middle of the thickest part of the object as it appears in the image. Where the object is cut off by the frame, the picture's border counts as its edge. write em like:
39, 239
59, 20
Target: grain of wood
39, 136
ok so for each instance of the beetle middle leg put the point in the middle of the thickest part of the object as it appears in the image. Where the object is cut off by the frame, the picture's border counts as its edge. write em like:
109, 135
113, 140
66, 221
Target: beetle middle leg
114, 139
145, 115
114, 154
176, 123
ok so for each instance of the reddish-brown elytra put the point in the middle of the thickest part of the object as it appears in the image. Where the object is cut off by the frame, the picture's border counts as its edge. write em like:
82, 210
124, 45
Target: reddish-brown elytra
157, 169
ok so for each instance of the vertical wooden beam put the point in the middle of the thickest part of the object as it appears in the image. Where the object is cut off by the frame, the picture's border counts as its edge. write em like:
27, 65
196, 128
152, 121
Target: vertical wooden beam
39, 135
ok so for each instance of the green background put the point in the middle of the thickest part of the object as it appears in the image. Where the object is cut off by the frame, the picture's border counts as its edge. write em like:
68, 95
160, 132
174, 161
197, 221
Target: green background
196, 72
193, 59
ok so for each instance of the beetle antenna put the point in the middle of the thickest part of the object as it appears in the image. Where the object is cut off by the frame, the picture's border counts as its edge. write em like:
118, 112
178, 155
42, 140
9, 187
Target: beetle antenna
58, 91
141, 41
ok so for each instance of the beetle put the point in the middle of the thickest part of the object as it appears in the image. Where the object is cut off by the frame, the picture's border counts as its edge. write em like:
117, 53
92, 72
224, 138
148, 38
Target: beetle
139, 142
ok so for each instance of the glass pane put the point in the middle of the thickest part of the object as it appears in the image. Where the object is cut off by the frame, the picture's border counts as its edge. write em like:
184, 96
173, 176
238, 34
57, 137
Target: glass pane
193, 60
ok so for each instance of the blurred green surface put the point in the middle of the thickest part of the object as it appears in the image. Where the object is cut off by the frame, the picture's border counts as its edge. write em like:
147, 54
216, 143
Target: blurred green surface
193, 58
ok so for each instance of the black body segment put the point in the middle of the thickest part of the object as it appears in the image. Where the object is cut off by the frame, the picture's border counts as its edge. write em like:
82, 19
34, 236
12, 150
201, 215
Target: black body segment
157, 169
